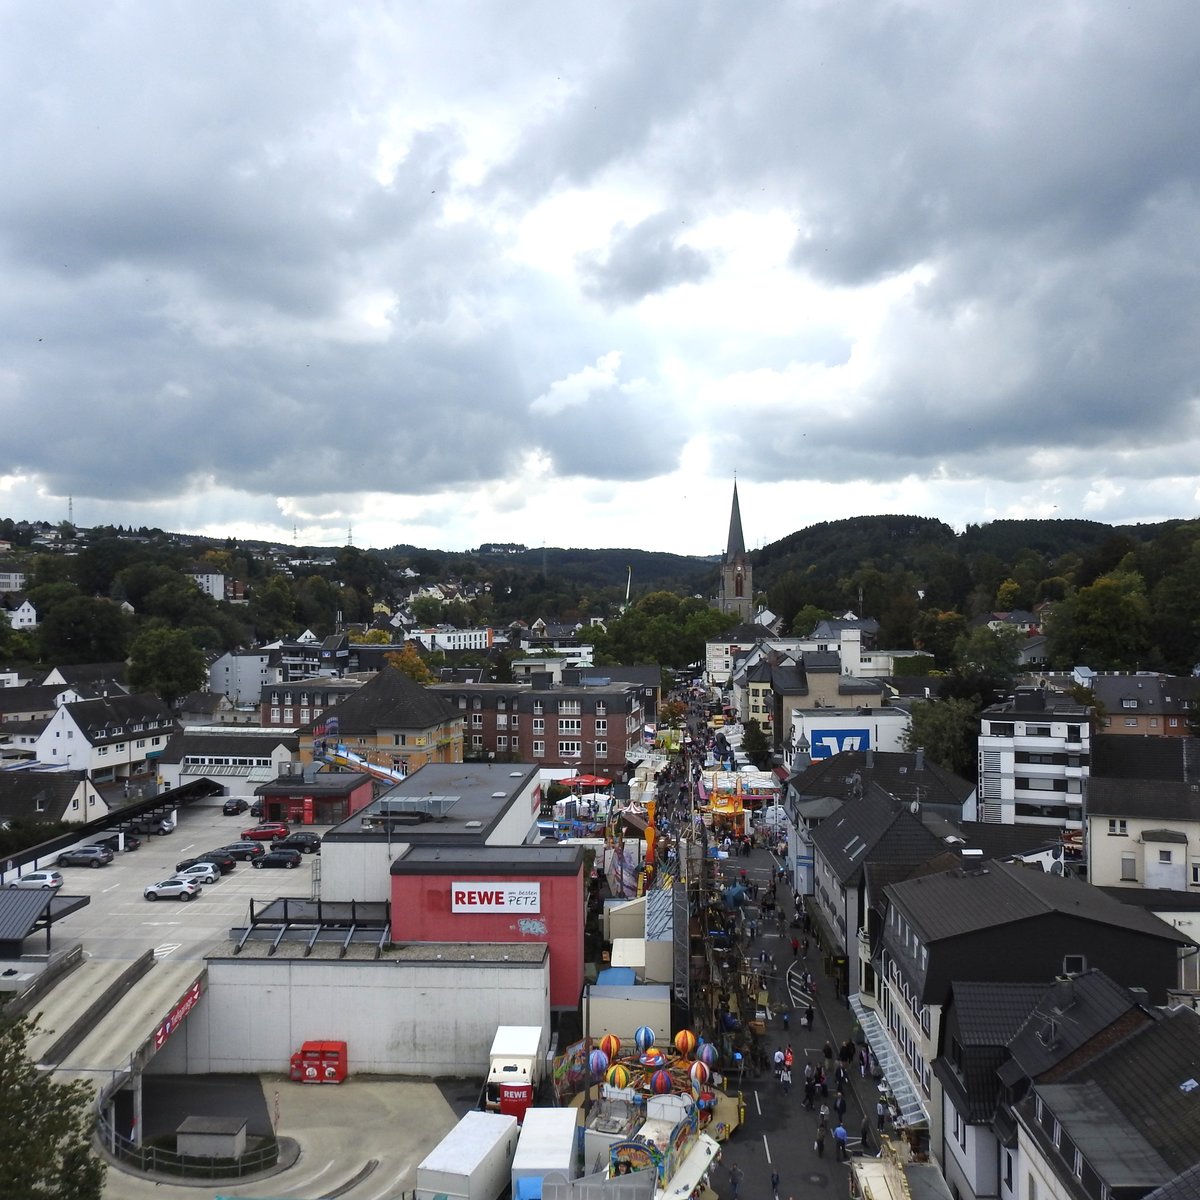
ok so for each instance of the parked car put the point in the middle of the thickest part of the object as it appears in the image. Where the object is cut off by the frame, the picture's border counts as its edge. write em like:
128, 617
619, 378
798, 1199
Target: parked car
279, 858
256, 809
243, 851
111, 841
235, 806
45, 880
302, 840
201, 872
159, 825
267, 831
85, 856
172, 889
218, 858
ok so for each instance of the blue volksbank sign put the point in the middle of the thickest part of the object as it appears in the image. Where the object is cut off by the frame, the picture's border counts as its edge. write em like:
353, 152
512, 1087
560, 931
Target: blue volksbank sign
828, 742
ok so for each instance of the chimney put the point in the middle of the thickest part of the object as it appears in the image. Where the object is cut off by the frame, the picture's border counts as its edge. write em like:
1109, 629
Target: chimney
919, 759
1064, 992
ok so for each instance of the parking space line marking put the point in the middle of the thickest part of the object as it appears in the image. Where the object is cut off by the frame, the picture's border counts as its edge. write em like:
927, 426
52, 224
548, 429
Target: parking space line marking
757, 1105
766, 1149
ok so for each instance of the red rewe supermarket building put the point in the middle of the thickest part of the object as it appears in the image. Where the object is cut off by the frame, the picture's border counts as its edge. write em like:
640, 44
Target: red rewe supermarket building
496, 894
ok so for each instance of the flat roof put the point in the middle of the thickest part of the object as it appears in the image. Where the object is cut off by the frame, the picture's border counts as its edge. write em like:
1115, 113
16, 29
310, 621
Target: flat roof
324, 783
441, 803
499, 860
448, 954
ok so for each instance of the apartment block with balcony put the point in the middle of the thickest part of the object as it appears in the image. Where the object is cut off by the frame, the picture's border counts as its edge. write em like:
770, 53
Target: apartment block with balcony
1034, 758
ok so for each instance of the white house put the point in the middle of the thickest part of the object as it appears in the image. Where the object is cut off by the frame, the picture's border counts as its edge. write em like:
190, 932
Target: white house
241, 675
211, 583
20, 612
112, 739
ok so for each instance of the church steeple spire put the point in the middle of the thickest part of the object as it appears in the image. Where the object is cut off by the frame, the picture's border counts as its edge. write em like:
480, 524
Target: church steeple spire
737, 543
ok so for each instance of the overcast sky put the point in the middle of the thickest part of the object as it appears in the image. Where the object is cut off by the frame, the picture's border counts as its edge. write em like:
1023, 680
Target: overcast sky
553, 272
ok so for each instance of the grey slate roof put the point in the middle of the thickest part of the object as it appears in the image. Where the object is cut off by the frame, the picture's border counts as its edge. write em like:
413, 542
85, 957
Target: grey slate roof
989, 1014
392, 700
1122, 756
895, 771
99, 720
1156, 799
94, 674
1057, 1026
1150, 1080
21, 792
32, 698
954, 903
874, 828
1185, 1186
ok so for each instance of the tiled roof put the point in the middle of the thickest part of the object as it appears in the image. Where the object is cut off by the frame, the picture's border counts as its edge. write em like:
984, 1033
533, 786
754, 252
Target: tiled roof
959, 902
392, 700
32, 698
989, 1014
94, 673
1185, 1186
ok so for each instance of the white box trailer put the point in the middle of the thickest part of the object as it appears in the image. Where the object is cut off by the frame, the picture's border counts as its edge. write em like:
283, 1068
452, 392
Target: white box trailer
472, 1162
515, 1068
548, 1144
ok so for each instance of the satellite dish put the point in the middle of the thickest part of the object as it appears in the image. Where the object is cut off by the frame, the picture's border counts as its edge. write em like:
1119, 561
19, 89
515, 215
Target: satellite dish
1057, 852
915, 808
1056, 868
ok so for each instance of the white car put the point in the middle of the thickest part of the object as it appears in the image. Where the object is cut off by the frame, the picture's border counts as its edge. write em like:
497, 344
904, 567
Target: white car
201, 872
172, 889
45, 880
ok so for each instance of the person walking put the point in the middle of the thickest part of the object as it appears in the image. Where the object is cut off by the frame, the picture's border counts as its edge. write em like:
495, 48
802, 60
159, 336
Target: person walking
840, 1140
839, 1105
795, 946
785, 1077
810, 1092
819, 1141
735, 1181
787, 1016
778, 1057
808, 1017
775, 1184
827, 1052
881, 1115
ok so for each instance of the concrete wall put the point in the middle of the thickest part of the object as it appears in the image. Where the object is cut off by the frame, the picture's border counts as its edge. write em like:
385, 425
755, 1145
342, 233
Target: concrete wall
358, 870
622, 1010
518, 826
396, 1018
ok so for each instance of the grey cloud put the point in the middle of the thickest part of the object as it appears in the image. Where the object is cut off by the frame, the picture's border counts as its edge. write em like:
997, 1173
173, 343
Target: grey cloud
643, 259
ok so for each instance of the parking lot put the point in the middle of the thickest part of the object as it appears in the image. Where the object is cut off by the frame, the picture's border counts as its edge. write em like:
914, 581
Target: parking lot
121, 923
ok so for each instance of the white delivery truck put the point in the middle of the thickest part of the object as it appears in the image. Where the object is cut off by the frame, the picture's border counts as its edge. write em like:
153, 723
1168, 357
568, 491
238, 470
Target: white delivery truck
515, 1069
547, 1144
472, 1162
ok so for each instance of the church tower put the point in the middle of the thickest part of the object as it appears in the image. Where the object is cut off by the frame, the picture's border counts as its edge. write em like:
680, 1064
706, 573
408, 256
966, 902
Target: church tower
736, 592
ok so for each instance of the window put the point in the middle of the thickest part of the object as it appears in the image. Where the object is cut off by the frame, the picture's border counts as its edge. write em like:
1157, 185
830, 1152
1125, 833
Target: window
102, 750
570, 725
1117, 827
539, 724
1131, 722
476, 720
1195, 865
502, 742
1037, 731
274, 714
1164, 857
399, 739
1008, 1169
1129, 868
539, 749
601, 749
477, 741
1173, 722
141, 743
538, 708
570, 749
601, 708
601, 726
304, 716
287, 714
1129, 704
476, 702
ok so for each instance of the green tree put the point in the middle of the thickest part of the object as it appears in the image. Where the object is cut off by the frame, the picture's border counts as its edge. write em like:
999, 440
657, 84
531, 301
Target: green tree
273, 608
166, 662
990, 652
1105, 625
426, 610
671, 713
83, 630
45, 1127
948, 731
936, 633
1008, 595
755, 744
806, 619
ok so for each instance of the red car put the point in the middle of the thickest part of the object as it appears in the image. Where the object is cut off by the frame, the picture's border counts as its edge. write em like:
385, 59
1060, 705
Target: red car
266, 831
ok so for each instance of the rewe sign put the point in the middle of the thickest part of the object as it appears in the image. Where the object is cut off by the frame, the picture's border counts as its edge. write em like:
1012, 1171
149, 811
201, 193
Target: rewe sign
495, 897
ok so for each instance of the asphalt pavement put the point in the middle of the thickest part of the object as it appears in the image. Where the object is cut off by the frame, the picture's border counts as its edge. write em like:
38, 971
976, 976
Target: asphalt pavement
779, 1132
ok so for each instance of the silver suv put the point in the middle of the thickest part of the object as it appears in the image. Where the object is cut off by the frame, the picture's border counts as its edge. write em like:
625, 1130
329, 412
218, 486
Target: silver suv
85, 856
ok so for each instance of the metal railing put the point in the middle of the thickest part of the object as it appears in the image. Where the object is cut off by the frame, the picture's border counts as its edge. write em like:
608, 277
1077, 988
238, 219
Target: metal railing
156, 1160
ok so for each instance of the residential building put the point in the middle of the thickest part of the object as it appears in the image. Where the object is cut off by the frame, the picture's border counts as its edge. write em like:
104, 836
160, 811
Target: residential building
241, 675
392, 722
116, 738
446, 639
1001, 1039
211, 583
49, 796
995, 922
12, 581
19, 610
290, 705
597, 728
1125, 1123
874, 829
1034, 755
